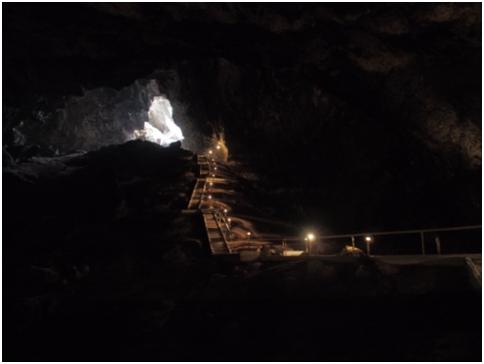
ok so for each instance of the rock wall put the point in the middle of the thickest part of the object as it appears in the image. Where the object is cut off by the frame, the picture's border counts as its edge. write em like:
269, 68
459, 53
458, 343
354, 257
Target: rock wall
368, 116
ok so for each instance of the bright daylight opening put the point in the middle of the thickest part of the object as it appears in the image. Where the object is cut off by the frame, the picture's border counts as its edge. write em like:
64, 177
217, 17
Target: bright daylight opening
160, 127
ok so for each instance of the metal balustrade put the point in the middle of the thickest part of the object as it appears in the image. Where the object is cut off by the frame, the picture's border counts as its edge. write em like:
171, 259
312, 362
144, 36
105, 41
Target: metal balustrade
438, 241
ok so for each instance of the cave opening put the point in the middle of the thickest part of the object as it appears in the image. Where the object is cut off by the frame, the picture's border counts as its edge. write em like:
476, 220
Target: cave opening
278, 177
160, 127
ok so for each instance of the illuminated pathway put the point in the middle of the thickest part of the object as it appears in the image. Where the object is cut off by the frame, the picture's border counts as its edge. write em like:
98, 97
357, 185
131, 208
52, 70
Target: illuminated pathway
222, 237
214, 195
201, 200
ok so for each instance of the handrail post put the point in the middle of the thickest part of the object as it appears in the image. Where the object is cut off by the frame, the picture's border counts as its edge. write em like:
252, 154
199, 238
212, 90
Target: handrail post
422, 240
353, 241
214, 216
437, 245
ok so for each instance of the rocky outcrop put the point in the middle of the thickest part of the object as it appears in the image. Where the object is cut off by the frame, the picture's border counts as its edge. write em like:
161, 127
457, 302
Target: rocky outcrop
375, 105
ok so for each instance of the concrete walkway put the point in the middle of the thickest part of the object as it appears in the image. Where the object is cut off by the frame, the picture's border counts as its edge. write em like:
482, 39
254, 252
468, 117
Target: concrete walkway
215, 222
231, 236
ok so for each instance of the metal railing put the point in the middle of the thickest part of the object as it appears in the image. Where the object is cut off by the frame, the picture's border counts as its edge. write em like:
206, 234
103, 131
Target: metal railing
216, 220
369, 238
451, 240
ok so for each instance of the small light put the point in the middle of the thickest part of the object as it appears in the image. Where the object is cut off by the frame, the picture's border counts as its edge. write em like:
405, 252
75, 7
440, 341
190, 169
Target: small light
213, 159
210, 151
229, 219
215, 168
211, 183
209, 197
225, 211
368, 239
218, 146
213, 175
249, 233
310, 237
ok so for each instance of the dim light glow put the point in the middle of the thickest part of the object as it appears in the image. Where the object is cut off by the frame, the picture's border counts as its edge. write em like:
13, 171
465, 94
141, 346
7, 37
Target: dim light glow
292, 253
310, 237
368, 239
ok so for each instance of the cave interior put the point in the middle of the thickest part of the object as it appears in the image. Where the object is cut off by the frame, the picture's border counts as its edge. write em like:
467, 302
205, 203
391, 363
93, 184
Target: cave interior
340, 117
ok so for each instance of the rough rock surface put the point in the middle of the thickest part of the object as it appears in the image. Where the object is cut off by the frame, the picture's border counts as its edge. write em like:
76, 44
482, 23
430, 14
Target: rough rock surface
102, 265
351, 116
375, 106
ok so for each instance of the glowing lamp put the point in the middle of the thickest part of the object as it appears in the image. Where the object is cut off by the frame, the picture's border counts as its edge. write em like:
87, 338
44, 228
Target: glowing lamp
310, 237
368, 240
